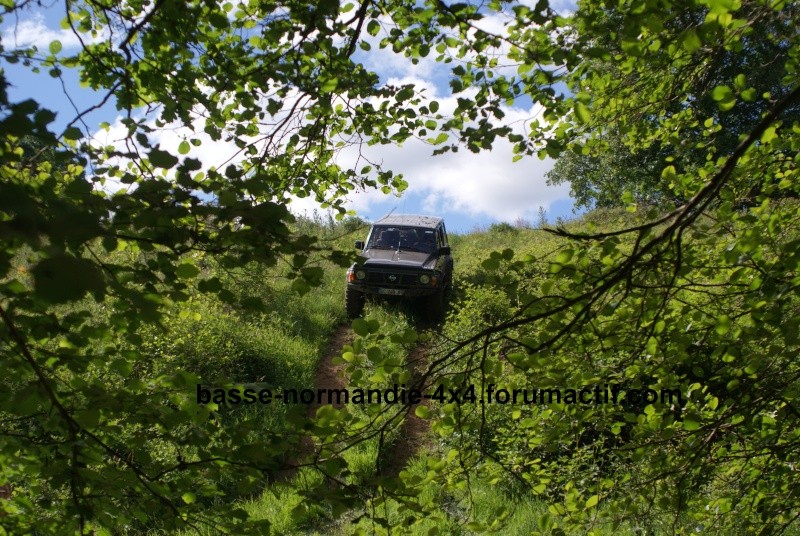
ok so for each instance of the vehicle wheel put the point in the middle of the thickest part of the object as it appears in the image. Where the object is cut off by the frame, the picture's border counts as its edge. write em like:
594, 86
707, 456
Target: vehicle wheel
353, 302
448, 289
435, 305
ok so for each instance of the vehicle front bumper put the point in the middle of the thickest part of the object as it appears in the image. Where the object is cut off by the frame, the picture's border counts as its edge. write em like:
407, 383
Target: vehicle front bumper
393, 291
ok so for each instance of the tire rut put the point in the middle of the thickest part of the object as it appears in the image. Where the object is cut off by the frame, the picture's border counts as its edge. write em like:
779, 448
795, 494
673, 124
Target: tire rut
327, 376
414, 432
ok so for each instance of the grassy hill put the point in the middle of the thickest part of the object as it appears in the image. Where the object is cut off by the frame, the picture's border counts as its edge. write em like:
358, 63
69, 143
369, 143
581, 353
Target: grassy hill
453, 465
492, 500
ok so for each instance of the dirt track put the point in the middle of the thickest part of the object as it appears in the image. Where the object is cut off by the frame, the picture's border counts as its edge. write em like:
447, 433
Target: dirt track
328, 375
413, 431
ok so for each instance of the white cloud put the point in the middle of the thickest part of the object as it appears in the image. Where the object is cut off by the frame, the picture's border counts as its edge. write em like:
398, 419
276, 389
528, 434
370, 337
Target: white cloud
483, 184
211, 153
562, 7
34, 32
488, 183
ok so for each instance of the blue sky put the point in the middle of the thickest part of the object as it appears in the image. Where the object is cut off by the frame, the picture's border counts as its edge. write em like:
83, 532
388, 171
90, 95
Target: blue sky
469, 190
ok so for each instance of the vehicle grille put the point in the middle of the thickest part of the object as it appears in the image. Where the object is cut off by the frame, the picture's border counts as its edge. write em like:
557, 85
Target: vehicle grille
385, 279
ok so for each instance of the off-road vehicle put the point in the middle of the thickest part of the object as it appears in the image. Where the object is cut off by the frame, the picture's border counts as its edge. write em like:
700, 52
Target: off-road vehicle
406, 256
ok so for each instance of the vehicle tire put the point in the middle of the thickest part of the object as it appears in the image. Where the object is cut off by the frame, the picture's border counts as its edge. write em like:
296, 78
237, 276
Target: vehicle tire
353, 302
448, 289
435, 306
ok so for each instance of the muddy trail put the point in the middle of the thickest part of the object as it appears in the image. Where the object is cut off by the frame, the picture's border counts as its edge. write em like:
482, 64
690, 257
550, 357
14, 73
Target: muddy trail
413, 434
327, 376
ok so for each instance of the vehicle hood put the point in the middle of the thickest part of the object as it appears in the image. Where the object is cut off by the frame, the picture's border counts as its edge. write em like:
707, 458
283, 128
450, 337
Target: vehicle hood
392, 257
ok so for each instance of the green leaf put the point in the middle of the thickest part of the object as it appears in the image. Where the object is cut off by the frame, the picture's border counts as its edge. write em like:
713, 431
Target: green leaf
373, 27
441, 138
14, 286
55, 46
690, 41
374, 354
329, 85
564, 256
724, 97
652, 346
360, 327
769, 134
73, 133
64, 277
582, 112
592, 501
184, 147
722, 94
187, 271
373, 325
749, 94
162, 159
690, 424
723, 325
722, 6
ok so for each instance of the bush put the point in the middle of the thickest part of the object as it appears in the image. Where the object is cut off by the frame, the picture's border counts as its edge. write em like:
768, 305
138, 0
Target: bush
502, 228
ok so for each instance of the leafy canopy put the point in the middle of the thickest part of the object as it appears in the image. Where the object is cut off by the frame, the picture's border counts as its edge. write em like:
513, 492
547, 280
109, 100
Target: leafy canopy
98, 241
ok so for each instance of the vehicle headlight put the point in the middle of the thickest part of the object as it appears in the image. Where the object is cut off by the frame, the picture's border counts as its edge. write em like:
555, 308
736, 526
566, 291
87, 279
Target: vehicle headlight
424, 279
361, 274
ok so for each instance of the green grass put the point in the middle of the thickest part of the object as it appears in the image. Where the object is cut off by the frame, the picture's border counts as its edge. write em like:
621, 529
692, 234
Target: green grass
451, 516
292, 333
278, 503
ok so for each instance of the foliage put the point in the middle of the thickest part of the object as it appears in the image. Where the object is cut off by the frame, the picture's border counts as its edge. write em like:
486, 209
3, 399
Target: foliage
679, 301
501, 228
102, 244
729, 85
614, 174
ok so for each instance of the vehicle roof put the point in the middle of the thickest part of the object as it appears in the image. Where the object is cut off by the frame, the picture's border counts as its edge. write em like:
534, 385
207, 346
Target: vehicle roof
410, 220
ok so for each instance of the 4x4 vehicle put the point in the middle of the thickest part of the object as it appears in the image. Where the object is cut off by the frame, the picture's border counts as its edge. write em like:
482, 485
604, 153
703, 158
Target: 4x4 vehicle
404, 255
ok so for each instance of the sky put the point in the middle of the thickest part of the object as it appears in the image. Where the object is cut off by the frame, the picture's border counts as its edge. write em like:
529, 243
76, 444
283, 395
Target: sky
471, 191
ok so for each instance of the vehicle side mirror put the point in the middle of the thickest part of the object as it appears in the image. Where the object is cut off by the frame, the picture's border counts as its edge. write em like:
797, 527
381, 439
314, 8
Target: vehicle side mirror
360, 244
444, 250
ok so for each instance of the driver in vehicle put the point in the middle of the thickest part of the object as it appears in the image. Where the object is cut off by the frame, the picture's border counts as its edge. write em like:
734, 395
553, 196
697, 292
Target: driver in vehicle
427, 242
388, 239
409, 239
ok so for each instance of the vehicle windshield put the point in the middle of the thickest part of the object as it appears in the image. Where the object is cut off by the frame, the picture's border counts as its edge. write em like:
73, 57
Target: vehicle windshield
403, 238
